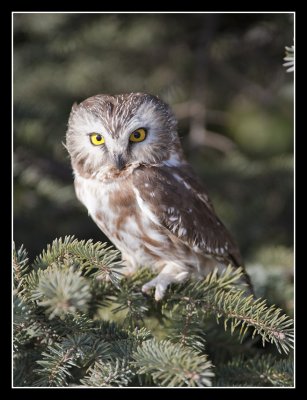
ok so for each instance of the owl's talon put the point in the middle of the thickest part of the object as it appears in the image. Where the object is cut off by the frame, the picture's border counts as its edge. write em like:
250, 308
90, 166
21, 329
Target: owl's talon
160, 292
145, 289
148, 286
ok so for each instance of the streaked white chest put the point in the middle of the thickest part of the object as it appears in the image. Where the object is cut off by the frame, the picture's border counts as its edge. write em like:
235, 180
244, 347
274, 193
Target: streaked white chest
127, 223
95, 196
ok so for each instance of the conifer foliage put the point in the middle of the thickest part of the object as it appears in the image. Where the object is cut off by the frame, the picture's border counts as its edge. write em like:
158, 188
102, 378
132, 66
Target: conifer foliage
79, 322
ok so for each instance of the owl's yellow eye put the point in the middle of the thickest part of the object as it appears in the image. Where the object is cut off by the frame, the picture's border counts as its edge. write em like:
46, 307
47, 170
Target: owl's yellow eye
96, 139
138, 136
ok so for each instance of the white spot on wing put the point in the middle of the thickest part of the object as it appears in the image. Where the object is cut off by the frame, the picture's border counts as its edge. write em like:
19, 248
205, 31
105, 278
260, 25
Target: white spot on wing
203, 197
174, 228
182, 231
186, 185
181, 180
177, 177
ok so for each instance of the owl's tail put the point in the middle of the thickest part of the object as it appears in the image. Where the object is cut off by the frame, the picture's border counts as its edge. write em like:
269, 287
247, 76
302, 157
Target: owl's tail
245, 277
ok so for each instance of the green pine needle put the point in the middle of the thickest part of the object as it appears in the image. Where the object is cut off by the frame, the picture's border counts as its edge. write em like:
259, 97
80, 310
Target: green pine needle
173, 365
97, 259
216, 296
20, 266
112, 373
55, 367
263, 370
61, 292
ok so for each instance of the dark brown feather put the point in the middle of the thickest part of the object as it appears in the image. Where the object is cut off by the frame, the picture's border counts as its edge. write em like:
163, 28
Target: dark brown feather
179, 190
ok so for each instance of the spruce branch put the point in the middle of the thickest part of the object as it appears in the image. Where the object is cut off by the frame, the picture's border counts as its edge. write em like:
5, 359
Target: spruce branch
290, 59
112, 373
109, 330
55, 367
140, 335
263, 370
20, 266
187, 329
99, 260
124, 347
215, 296
221, 346
87, 348
22, 311
172, 365
96, 259
30, 328
131, 300
132, 303
61, 292
245, 312
55, 254
196, 291
70, 324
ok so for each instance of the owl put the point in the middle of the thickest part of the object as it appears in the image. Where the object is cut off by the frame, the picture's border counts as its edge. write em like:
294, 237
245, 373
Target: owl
131, 175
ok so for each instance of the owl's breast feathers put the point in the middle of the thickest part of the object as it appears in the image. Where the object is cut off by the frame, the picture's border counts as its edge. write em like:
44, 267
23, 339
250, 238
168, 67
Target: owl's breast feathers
179, 201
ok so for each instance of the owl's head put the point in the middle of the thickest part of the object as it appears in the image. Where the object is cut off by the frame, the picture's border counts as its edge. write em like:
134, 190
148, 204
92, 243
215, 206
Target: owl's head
116, 131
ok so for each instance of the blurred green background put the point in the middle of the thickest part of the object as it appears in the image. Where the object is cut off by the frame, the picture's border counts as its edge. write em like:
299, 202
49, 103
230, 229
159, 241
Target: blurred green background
222, 74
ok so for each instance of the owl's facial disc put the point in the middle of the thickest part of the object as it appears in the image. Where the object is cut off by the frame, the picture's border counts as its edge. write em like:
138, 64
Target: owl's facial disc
114, 132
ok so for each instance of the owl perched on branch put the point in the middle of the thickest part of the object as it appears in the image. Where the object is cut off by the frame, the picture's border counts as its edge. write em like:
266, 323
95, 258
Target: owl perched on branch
131, 175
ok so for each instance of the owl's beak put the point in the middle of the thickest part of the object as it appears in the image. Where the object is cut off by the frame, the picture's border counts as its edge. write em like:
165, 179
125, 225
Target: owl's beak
119, 161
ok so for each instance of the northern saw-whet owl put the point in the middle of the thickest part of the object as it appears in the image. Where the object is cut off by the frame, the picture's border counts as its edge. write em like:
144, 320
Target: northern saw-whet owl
131, 175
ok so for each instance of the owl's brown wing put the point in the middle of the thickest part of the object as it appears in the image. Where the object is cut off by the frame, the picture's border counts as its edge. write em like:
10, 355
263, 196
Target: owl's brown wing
180, 203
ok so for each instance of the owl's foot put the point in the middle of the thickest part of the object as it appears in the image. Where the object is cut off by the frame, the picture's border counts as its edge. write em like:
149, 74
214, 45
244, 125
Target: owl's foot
171, 273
